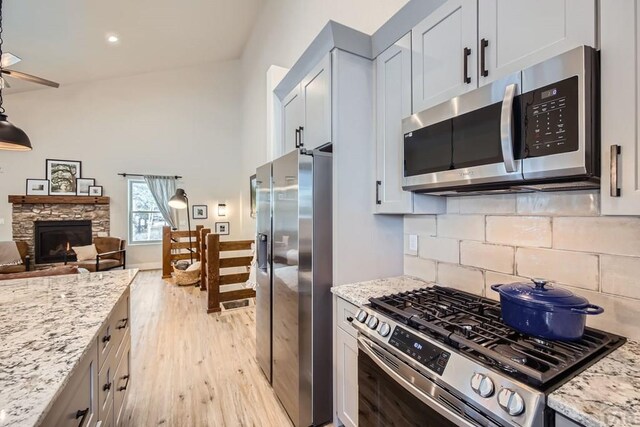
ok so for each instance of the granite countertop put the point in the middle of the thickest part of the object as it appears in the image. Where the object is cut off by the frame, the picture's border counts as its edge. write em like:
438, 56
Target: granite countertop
606, 394
46, 326
359, 293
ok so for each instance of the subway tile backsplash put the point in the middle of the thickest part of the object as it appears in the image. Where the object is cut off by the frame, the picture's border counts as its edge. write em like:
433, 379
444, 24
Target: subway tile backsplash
482, 240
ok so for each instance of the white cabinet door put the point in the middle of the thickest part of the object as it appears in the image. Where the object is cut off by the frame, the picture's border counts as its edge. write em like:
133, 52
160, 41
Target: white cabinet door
347, 378
515, 34
316, 92
442, 44
393, 103
292, 119
620, 93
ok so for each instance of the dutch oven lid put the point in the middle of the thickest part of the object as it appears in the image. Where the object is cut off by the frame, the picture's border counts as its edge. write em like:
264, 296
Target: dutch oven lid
539, 293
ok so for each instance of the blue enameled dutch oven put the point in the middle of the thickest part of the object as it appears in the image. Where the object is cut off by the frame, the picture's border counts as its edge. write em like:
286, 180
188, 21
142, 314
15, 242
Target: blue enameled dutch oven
543, 310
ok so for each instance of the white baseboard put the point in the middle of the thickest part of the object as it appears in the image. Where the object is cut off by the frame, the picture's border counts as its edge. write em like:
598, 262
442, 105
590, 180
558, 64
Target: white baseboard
146, 266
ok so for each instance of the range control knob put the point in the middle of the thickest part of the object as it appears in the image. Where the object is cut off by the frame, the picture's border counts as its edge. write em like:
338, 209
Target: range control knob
511, 402
482, 385
361, 316
372, 323
384, 329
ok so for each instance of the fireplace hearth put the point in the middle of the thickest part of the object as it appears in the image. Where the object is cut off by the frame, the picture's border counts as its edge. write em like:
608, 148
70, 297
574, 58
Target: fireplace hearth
53, 238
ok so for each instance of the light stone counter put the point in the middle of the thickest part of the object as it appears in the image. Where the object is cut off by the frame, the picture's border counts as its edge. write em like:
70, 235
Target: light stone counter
359, 293
46, 326
606, 394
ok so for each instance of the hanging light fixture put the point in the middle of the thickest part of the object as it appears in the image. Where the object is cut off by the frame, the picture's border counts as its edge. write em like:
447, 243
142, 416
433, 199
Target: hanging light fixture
11, 137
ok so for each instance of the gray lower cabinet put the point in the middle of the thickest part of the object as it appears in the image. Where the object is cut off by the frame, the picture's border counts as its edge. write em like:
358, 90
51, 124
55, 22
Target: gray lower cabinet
95, 394
346, 348
562, 421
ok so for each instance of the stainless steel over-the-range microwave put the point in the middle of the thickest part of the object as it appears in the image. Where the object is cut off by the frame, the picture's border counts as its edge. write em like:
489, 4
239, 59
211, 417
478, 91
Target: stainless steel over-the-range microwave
537, 129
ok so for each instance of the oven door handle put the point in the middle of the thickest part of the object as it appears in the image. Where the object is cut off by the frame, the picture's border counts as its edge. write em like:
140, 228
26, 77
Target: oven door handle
367, 347
506, 128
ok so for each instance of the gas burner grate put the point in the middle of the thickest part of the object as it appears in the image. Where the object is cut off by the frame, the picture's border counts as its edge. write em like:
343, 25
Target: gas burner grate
474, 326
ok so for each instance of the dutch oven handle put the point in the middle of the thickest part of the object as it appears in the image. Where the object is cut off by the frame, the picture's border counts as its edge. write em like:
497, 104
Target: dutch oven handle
496, 286
589, 309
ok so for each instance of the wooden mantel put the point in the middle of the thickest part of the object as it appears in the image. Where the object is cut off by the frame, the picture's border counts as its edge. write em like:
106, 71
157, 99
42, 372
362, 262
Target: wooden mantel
60, 200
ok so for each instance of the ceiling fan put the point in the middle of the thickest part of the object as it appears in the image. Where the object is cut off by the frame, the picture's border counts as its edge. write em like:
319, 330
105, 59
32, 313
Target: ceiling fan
8, 59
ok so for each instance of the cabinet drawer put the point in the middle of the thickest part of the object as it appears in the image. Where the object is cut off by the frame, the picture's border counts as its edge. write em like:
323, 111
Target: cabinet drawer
346, 310
120, 322
114, 329
122, 381
78, 398
105, 388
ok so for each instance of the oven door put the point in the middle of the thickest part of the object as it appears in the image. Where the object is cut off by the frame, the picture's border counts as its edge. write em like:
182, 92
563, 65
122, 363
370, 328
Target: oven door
391, 393
473, 139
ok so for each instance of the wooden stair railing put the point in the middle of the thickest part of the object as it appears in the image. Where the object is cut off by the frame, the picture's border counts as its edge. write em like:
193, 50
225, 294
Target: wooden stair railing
213, 278
176, 247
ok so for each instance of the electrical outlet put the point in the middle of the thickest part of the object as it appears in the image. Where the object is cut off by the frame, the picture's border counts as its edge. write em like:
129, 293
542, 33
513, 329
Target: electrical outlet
412, 246
1, 221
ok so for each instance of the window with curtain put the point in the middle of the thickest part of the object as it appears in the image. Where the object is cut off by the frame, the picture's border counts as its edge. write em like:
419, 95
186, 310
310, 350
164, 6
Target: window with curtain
145, 219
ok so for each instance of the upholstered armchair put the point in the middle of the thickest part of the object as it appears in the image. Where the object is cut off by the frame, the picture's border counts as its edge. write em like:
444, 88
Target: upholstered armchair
111, 254
23, 248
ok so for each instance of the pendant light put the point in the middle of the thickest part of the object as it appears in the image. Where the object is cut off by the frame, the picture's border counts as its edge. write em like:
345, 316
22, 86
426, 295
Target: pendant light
11, 137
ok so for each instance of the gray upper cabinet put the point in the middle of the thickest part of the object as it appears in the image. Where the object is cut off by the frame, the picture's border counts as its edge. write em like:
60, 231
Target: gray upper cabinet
443, 49
316, 94
393, 103
306, 110
515, 34
292, 119
465, 44
620, 105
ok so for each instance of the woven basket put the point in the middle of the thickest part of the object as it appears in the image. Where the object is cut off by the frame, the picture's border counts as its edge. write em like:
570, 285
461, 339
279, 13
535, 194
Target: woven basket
184, 278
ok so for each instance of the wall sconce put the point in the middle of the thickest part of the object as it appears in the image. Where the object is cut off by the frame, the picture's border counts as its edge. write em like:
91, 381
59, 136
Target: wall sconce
222, 209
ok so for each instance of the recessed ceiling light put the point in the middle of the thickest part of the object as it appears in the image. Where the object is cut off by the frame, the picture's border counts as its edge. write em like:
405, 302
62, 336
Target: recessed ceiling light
113, 38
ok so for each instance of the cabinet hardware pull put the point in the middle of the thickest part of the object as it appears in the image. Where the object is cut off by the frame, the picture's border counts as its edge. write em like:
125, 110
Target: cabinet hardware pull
483, 69
378, 184
349, 319
124, 387
82, 414
297, 139
106, 387
124, 324
614, 191
106, 338
301, 144
466, 54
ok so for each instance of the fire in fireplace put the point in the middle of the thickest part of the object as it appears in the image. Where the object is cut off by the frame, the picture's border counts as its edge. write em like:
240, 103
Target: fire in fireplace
53, 238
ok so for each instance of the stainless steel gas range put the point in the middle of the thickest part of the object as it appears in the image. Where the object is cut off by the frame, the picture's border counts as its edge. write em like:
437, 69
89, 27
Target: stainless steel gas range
442, 357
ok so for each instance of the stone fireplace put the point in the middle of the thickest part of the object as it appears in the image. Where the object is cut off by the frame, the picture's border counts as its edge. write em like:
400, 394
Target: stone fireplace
54, 238
94, 217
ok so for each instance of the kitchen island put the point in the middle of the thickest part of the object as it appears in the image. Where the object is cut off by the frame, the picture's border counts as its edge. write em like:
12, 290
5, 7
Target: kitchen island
50, 329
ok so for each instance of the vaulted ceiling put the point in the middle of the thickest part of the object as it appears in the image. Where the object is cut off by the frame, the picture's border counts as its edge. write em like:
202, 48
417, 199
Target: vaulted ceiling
65, 40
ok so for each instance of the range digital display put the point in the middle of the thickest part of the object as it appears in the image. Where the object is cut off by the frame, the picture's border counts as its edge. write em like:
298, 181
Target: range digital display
427, 354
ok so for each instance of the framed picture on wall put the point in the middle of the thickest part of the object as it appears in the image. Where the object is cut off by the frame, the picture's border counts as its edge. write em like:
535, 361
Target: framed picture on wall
83, 184
199, 212
62, 175
222, 228
95, 190
253, 189
37, 187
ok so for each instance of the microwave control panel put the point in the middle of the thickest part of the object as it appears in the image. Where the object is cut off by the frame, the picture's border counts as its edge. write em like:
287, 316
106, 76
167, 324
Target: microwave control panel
551, 118
420, 350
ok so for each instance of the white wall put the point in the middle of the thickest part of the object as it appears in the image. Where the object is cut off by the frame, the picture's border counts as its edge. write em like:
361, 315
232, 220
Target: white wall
183, 121
283, 31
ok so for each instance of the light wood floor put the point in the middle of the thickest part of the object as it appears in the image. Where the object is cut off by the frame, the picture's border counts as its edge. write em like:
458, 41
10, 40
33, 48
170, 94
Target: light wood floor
190, 368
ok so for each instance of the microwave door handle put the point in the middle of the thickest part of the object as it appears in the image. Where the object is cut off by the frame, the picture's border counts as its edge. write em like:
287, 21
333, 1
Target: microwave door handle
506, 128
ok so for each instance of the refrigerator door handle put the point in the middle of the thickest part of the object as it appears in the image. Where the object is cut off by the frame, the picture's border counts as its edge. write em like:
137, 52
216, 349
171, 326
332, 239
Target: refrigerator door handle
261, 256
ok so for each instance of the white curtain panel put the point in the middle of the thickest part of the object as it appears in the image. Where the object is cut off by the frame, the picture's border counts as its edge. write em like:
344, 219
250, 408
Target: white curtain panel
163, 188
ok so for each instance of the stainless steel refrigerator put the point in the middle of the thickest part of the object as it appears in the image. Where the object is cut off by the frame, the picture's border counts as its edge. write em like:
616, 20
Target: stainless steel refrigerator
299, 258
263, 269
